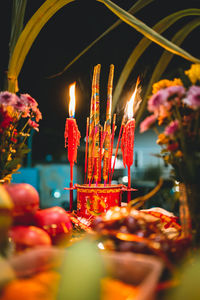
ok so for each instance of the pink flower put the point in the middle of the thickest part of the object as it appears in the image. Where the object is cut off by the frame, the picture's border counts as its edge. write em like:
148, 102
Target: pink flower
193, 97
172, 128
157, 100
21, 106
176, 90
7, 98
147, 122
33, 124
28, 100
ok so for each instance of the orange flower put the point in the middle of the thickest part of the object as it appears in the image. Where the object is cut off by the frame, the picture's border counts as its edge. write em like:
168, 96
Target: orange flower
162, 139
179, 153
164, 83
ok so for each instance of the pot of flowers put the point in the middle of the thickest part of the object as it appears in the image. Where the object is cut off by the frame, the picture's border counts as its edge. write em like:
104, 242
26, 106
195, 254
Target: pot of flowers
174, 108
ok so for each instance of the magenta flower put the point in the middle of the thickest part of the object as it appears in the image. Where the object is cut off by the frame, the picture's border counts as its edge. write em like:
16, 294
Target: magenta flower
147, 122
21, 106
33, 124
157, 100
28, 100
172, 128
7, 98
176, 90
193, 97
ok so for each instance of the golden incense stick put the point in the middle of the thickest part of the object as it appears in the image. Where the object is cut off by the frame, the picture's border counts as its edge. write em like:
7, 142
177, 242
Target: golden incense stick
108, 137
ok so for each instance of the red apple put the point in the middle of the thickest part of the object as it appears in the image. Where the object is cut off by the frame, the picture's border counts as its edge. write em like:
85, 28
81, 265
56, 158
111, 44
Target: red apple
25, 237
56, 221
26, 202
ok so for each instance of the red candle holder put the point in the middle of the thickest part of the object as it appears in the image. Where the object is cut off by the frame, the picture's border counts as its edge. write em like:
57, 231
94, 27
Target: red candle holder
97, 199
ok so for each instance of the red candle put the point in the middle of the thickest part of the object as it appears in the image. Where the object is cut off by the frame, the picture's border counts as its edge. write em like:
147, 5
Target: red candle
72, 135
127, 141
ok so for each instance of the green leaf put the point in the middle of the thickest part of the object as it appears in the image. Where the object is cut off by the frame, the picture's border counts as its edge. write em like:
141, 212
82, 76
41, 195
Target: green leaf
18, 12
27, 37
134, 9
147, 31
165, 59
160, 27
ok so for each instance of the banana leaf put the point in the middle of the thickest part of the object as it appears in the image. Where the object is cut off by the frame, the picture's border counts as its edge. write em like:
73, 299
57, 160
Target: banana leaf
27, 37
164, 61
160, 27
134, 9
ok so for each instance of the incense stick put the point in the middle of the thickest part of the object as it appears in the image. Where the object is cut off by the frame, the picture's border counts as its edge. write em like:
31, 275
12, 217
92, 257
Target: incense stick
101, 147
117, 147
96, 124
111, 148
108, 138
86, 148
91, 127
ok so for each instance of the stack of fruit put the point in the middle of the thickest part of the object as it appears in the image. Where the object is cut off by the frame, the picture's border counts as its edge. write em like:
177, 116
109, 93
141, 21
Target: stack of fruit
32, 226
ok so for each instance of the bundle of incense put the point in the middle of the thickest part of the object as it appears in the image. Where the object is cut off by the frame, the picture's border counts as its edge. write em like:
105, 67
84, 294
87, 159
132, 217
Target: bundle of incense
107, 149
91, 127
96, 129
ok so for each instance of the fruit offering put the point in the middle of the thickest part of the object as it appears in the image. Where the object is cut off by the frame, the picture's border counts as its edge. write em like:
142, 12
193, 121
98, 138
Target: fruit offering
25, 237
115, 289
128, 229
56, 222
25, 199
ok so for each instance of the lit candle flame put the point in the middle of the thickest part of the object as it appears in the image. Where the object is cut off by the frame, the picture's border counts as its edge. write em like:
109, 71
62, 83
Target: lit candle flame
72, 101
131, 103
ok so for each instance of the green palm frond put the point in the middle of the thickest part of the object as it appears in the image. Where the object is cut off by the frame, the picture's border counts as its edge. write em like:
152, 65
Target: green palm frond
163, 62
160, 27
134, 9
17, 21
147, 31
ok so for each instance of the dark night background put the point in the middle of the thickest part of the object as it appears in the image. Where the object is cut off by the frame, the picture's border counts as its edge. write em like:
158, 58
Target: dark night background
68, 32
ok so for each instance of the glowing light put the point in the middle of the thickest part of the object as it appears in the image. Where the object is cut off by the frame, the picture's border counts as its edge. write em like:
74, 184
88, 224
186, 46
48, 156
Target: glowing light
132, 102
56, 194
125, 179
72, 102
101, 246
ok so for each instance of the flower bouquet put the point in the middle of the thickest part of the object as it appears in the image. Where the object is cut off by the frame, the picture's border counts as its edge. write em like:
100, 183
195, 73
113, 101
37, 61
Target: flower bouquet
18, 115
175, 109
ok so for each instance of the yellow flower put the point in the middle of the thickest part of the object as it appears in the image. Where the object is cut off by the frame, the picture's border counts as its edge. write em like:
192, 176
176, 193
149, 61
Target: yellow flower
166, 158
178, 153
162, 139
10, 110
164, 83
194, 73
9, 157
